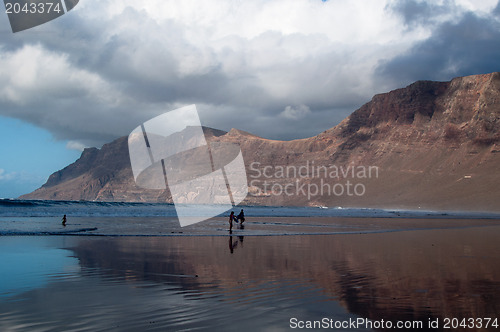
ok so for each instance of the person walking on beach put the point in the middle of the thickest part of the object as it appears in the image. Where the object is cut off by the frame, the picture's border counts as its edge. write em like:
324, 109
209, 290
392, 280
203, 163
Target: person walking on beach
241, 217
64, 220
231, 218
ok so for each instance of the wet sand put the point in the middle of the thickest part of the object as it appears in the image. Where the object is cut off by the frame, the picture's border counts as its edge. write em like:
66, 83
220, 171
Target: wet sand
218, 226
247, 283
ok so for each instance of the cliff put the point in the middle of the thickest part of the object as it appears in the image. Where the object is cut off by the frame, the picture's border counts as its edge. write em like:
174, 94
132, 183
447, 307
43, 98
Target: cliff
430, 145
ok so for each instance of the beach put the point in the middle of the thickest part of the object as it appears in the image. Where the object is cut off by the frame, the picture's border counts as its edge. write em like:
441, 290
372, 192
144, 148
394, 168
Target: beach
404, 273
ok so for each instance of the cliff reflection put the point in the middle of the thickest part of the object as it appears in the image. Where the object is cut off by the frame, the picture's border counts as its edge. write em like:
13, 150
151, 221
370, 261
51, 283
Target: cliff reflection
401, 275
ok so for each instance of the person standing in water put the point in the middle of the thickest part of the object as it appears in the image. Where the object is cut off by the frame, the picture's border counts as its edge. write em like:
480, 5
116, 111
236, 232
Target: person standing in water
64, 220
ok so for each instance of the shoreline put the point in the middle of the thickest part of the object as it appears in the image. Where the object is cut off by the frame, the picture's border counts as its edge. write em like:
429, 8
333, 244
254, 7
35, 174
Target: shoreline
254, 226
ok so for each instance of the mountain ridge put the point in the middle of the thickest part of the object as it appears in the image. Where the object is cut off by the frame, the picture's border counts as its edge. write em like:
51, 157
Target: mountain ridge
435, 143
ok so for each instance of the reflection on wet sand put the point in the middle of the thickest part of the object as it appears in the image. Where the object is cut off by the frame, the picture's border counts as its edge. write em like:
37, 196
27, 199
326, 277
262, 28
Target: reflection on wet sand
452, 273
234, 243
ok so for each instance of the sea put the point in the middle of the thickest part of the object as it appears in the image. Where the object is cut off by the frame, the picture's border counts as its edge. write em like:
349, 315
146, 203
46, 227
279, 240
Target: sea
132, 267
43, 217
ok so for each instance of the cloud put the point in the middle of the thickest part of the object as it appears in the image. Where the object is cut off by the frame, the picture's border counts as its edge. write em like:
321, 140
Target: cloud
465, 47
429, 13
42, 87
98, 72
295, 112
74, 145
14, 184
20, 177
4, 176
417, 12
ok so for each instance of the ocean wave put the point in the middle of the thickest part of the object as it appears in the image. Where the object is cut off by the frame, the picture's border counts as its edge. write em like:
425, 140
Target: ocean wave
7, 202
50, 208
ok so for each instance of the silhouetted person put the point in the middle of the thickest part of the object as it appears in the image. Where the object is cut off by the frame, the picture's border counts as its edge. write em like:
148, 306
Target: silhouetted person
241, 217
231, 218
64, 220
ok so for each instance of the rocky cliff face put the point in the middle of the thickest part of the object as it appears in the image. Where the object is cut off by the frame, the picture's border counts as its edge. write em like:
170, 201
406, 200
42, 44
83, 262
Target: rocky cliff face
430, 145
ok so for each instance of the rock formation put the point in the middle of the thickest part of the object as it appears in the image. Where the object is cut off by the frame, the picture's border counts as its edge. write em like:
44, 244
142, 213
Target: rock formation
431, 145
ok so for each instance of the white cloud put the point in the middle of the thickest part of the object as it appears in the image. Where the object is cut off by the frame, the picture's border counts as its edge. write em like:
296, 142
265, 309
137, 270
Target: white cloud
341, 20
5, 176
33, 74
108, 66
75, 145
483, 6
295, 112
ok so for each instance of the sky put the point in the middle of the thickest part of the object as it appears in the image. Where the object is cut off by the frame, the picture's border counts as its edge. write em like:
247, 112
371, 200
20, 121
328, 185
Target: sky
280, 69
